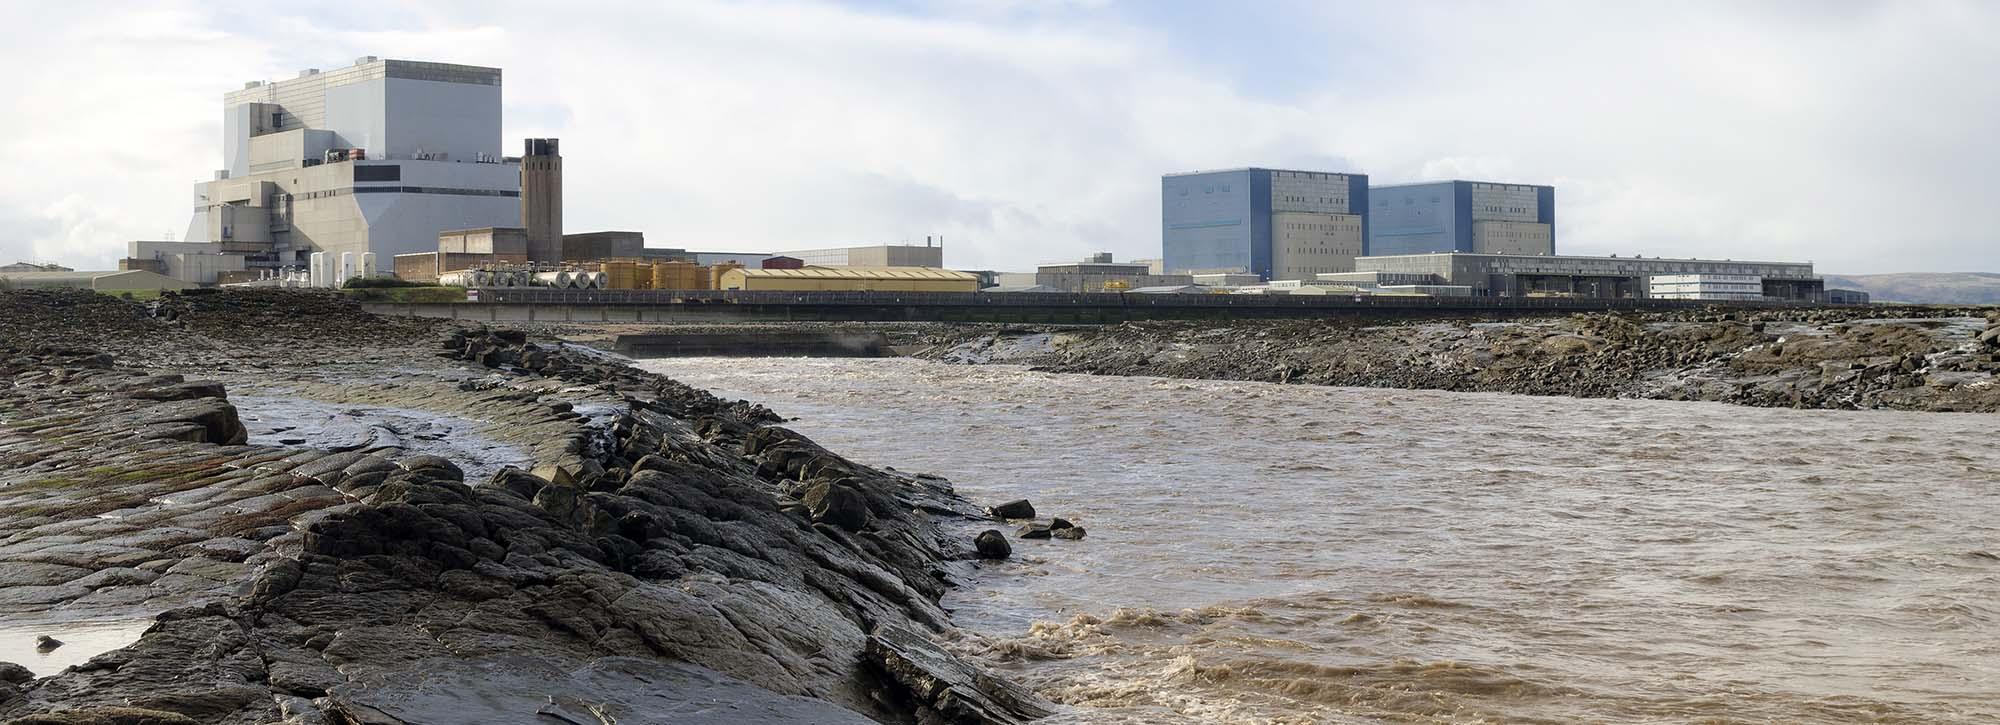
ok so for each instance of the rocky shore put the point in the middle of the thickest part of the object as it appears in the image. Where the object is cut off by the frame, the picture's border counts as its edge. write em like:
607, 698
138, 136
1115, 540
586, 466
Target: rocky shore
657, 555
1906, 358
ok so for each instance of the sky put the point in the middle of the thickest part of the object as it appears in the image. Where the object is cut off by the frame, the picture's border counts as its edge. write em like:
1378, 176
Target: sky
1857, 135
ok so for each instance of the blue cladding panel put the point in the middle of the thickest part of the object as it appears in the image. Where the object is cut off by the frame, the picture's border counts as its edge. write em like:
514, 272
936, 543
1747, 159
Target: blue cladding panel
1208, 221
1417, 219
1545, 212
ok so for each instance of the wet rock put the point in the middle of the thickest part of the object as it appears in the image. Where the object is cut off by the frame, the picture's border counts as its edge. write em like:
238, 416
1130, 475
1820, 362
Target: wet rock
108, 716
947, 688
992, 544
45, 643
1019, 509
1068, 532
836, 504
1034, 531
16, 674
1059, 523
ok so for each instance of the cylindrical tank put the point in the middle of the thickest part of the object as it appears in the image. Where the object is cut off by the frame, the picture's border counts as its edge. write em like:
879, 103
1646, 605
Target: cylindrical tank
368, 265
316, 270
715, 273
459, 278
558, 279
679, 275
621, 275
346, 271
642, 276
592, 280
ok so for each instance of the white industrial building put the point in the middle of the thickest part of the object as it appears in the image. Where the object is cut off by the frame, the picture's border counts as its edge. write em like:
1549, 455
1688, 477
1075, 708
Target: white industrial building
1705, 287
378, 157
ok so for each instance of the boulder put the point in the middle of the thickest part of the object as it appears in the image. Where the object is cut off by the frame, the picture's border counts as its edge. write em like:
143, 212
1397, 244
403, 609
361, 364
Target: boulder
1069, 532
836, 504
992, 545
949, 689
1059, 523
1034, 531
1020, 509
45, 643
16, 674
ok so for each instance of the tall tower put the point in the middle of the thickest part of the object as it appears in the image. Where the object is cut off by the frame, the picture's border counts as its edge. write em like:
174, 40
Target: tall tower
541, 199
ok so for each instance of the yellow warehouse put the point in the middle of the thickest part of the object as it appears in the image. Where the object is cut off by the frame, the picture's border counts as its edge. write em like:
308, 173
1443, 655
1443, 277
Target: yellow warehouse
850, 279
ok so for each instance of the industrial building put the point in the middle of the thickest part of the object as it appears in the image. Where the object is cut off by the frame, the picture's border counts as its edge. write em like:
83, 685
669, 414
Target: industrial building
378, 157
1274, 223
1717, 287
879, 255
591, 246
33, 267
849, 279
131, 280
1226, 279
1479, 217
1838, 296
197, 263
1527, 275
1098, 273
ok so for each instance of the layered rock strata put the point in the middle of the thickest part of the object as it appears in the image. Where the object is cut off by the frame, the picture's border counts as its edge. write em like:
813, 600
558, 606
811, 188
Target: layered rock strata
1891, 358
666, 556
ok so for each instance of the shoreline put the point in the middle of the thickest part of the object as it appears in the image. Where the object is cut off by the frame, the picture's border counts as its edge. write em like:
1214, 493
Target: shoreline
1922, 359
658, 534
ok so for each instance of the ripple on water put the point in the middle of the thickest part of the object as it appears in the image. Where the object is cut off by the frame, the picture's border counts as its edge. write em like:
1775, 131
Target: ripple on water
1279, 554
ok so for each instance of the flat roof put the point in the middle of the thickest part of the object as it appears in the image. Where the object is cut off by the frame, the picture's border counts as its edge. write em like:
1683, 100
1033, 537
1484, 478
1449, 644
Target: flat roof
860, 273
1455, 181
485, 229
1560, 257
1260, 168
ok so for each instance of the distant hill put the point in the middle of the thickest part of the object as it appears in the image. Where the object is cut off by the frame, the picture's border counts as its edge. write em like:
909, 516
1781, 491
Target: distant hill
1965, 288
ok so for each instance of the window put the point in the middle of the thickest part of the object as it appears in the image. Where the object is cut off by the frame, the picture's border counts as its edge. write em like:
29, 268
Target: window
387, 172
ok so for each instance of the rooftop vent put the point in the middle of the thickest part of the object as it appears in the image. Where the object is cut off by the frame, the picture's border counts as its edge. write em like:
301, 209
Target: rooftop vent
365, 60
309, 72
252, 84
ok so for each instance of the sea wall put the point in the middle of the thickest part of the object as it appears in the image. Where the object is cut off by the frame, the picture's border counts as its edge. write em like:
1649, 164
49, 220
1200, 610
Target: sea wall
664, 556
1937, 359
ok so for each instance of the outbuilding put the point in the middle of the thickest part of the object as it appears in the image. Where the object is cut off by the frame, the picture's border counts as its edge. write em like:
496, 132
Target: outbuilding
131, 280
850, 279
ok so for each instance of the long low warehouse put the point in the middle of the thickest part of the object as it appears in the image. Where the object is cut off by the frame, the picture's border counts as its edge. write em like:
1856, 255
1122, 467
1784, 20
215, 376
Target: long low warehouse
850, 279
104, 281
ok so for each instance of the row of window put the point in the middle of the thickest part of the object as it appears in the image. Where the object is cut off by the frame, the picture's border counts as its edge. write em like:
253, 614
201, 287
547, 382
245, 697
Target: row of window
1507, 209
1323, 227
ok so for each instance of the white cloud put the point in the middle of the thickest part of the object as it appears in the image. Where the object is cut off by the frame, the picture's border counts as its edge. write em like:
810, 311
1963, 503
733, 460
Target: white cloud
1855, 135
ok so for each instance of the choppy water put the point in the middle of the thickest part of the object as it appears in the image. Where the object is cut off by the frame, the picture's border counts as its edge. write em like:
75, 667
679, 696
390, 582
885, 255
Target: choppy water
1280, 554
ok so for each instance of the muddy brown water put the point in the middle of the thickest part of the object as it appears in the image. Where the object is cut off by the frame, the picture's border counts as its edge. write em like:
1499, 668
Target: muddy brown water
1291, 554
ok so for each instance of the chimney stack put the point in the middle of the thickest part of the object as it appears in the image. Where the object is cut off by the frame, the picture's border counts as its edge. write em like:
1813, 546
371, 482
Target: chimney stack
541, 199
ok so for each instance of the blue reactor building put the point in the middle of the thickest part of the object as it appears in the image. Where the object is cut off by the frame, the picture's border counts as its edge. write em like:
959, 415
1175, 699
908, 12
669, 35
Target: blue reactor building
1274, 223
1478, 217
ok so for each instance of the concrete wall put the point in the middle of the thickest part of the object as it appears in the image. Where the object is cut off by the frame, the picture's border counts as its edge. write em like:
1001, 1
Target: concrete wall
1305, 244
1510, 237
459, 120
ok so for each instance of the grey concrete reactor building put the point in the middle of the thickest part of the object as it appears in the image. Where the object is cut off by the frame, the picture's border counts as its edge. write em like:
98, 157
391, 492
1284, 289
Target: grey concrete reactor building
1479, 217
378, 157
1274, 223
